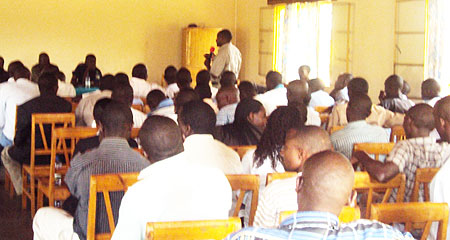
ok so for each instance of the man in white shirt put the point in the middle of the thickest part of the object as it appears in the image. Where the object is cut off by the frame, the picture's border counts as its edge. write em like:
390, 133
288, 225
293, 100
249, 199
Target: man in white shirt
161, 105
227, 101
228, 58
124, 93
280, 195
318, 96
139, 82
170, 76
173, 188
430, 90
275, 95
298, 91
197, 121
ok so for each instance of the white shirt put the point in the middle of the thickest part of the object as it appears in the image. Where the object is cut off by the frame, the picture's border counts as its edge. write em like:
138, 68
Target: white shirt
272, 99
321, 98
172, 89
173, 189
138, 118
432, 101
141, 87
203, 149
440, 192
84, 113
66, 89
226, 114
11, 96
228, 59
342, 95
312, 117
167, 112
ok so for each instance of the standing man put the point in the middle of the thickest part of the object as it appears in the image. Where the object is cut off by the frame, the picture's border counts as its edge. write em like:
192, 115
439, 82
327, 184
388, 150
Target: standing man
228, 58
86, 70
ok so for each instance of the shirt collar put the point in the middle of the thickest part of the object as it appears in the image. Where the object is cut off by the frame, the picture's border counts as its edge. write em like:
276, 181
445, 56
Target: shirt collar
310, 217
198, 137
146, 172
279, 86
357, 124
165, 103
115, 142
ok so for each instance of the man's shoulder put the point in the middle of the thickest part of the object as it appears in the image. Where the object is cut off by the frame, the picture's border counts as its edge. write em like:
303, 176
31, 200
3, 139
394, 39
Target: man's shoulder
374, 229
281, 188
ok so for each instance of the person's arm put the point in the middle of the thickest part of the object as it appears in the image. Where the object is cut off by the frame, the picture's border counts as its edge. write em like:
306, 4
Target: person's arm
218, 65
382, 172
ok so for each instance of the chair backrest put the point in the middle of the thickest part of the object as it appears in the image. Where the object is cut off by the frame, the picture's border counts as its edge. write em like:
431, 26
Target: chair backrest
397, 133
324, 113
39, 120
243, 183
423, 176
365, 183
278, 176
189, 230
348, 214
410, 213
376, 149
135, 133
105, 184
335, 129
241, 150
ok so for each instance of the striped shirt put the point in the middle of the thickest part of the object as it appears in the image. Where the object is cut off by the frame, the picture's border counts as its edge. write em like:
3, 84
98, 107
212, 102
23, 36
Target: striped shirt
321, 225
114, 155
357, 132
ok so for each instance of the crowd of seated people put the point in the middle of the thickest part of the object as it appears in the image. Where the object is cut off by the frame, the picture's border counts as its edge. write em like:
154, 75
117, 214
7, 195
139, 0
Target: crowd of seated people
188, 133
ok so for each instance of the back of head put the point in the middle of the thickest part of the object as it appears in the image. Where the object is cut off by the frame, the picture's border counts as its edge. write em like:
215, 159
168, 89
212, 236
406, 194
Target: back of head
226, 35
121, 79
359, 107
302, 109
123, 93
273, 79
160, 138
203, 91
358, 85
393, 85
48, 84
422, 116
303, 72
246, 90
441, 114
99, 108
430, 89
22, 72
139, 71
227, 95
406, 89
326, 183
184, 96
13, 66
298, 91
343, 80
203, 78
116, 120
170, 75
155, 97
316, 85
107, 82
228, 79
184, 78
199, 116
2, 62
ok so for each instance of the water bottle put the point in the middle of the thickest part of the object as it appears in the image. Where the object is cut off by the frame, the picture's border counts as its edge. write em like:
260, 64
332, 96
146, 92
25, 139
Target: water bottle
88, 81
58, 204
58, 179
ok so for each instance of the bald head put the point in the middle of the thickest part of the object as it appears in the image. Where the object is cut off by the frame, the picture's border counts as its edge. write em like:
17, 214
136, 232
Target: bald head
359, 107
441, 115
326, 183
227, 95
297, 91
430, 88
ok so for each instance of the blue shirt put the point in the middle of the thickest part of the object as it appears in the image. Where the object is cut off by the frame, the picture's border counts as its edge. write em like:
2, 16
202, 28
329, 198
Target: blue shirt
321, 225
164, 103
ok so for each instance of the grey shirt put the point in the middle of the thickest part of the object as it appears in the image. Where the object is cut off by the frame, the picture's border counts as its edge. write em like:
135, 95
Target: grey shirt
112, 156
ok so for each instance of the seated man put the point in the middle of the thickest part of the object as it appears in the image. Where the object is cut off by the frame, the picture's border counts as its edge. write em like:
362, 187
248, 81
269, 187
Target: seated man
172, 188
202, 87
340, 91
114, 155
227, 101
418, 151
318, 96
184, 78
324, 188
15, 156
64, 89
197, 122
86, 74
228, 79
161, 105
246, 90
392, 101
430, 90
37, 70
184, 96
139, 82
275, 95
170, 76
358, 130
379, 116
298, 91
279, 196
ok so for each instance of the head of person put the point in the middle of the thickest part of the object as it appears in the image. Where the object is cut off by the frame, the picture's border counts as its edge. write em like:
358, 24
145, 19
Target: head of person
303, 72
298, 91
99, 109
430, 89
184, 78
223, 37
203, 91
116, 120
90, 61
273, 79
441, 115
54, 70
107, 82
155, 97
302, 109
419, 121
203, 78
393, 86
170, 75
121, 79
272, 139
44, 59
250, 112
326, 183
184, 96
227, 95
123, 94
2, 62
139, 71
359, 107
246, 90
315, 85
301, 143
228, 79
196, 117
343, 81
13, 66
406, 89
160, 138
358, 85
48, 84
22, 72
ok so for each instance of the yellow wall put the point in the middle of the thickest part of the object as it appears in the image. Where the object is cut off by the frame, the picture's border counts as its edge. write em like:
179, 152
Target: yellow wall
120, 33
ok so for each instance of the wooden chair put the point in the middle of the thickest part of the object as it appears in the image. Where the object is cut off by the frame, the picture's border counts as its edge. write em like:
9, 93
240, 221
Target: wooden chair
397, 133
324, 113
348, 214
190, 230
243, 183
376, 149
423, 176
335, 129
366, 184
105, 184
32, 171
241, 150
278, 176
413, 213
59, 141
